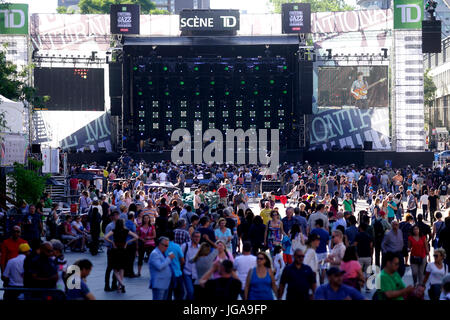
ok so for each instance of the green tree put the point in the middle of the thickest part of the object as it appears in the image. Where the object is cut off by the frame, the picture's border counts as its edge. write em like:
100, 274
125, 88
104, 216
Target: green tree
316, 5
61, 9
27, 184
103, 6
429, 88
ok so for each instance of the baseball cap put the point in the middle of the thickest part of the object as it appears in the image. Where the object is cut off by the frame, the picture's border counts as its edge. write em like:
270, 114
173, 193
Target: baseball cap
24, 247
334, 271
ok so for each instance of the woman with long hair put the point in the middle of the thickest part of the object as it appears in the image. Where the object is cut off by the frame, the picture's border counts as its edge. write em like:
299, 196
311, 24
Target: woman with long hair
311, 259
118, 253
274, 232
260, 280
203, 261
418, 245
147, 235
127, 198
222, 254
353, 275
223, 233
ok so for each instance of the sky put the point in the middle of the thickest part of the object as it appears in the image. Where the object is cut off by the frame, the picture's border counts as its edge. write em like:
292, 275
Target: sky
251, 6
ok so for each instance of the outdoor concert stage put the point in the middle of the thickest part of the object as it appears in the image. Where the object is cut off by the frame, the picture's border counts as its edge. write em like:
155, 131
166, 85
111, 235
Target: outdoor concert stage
345, 157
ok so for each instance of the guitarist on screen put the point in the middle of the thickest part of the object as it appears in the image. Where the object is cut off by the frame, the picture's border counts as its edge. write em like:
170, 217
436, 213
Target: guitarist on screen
359, 91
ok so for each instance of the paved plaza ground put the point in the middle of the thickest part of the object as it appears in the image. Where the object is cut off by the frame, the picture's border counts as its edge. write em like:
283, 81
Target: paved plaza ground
137, 288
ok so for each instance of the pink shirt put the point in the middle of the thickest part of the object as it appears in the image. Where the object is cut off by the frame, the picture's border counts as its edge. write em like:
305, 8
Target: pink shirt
351, 269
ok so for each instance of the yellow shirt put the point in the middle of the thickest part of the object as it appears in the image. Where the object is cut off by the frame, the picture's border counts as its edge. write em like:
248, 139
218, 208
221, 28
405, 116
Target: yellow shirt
265, 215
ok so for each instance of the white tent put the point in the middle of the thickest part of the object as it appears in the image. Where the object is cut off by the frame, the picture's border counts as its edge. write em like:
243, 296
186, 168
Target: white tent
14, 115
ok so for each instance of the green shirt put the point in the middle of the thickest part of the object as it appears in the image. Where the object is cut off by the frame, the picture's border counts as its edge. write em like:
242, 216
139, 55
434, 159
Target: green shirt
348, 205
391, 282
391, 212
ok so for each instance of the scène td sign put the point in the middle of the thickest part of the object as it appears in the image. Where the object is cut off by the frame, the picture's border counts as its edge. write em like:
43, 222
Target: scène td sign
13, 18
408, 14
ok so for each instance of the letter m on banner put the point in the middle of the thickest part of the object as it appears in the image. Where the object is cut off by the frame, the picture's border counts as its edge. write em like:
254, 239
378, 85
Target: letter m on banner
408, 14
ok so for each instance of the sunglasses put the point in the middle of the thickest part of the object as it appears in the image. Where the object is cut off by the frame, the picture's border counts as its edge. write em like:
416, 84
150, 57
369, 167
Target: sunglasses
165, 245
300, 256
435, 255
260, 258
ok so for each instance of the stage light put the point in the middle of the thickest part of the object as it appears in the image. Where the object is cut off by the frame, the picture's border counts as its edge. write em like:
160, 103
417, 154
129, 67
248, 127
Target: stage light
155, 125
284, 91
267, 124
135, 68
168, 127
238, 113
140, 93
141, 114
252, 113
211, 125
197, 93
266, 103
165, 68
166, 93
182, 83
255, 92
257, 68
211, 114
272, 81
225, 114
183, 104
210, 103
195, 68
155, 114
226, 69
284, 67
281, 112
212, 83
183, 114
168, 114
281, 126
227, 93
150, 83
266, 113
242, 82
183, 124
197, 114
155, 103
141, 127
238, 124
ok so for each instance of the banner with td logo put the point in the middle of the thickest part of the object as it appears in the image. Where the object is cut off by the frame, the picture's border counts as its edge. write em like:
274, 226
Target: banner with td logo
13, 18
408, 14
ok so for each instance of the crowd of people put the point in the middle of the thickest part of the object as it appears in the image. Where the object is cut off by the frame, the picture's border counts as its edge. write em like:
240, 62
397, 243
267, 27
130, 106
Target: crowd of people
303, 240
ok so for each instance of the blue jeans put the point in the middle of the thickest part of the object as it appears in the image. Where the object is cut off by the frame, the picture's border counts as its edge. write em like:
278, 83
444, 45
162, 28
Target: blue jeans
160, 294
176, 288
188, 286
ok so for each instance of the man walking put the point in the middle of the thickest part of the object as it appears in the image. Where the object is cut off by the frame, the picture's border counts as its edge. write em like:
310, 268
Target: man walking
160, 270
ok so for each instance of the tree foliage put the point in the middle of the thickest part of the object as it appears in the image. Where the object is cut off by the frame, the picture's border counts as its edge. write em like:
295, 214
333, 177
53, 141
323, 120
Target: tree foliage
103, 6
13, 82
27, 184
316, 5
429, 88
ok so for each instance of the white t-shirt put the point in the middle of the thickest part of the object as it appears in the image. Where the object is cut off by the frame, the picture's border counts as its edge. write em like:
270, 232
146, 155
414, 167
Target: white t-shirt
436, 275
294, 177
162, 176
424, 199
279, 264
14, 270
248, 177
243, 264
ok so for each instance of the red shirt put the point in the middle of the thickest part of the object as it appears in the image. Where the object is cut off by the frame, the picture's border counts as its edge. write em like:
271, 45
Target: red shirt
223, 192
418, 247
10, 250
73, 183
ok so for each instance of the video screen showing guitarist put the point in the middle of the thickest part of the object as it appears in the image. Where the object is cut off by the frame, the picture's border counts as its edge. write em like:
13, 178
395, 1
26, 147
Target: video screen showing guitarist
359, 91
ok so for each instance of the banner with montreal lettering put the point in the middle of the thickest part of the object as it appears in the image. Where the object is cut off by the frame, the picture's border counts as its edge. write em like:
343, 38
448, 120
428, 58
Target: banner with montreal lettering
96, 134
349, 127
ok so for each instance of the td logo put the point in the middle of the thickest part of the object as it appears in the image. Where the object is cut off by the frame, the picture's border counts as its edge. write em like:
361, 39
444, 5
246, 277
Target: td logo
408, 14
13, 18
